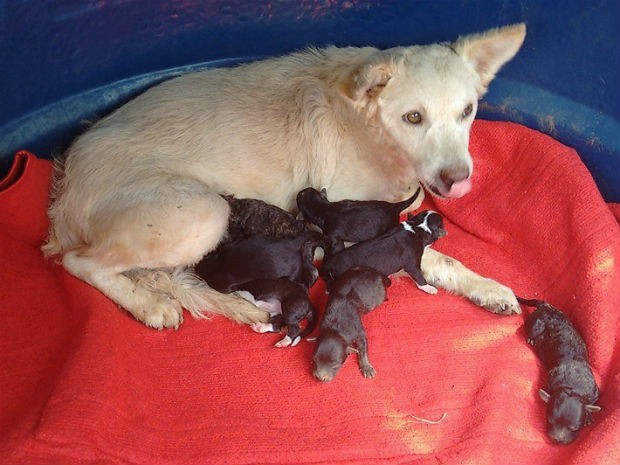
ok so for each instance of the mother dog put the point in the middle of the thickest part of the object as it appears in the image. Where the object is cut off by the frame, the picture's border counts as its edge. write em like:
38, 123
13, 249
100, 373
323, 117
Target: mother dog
136, 200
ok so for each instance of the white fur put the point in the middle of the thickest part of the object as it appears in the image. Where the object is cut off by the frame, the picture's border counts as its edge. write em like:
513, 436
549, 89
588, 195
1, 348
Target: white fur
140, 189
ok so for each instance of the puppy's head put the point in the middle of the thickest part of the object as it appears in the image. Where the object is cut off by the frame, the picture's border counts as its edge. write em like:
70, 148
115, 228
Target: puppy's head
424, 98
566, 415
329, 355
310, 195
427, 224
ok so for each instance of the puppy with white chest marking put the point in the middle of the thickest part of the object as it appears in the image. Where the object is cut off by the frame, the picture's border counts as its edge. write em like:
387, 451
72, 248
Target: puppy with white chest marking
140, 189
350, 220
351, 295
400, 248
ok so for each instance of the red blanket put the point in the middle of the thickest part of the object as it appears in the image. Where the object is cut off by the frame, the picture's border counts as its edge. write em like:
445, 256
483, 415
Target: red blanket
83, 382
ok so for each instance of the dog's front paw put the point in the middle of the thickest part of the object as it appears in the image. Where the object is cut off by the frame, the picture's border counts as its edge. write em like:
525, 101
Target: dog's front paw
495, 297
260, 327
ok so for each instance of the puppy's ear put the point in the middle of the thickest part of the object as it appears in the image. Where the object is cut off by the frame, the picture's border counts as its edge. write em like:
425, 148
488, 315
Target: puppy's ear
544, 395
369, 79
489, 51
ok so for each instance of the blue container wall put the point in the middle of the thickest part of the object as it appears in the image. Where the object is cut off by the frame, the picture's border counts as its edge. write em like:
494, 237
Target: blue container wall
66, 62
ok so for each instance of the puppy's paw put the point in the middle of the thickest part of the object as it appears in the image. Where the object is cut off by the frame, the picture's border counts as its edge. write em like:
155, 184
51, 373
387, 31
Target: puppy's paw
285, 342
495, 297
368, 371
427, 288
260, 327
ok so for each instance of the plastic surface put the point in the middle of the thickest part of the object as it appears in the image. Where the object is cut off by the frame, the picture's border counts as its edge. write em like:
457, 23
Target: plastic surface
67, 62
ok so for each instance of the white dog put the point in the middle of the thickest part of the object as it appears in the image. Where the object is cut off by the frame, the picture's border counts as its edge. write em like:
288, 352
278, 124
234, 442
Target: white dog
136, 200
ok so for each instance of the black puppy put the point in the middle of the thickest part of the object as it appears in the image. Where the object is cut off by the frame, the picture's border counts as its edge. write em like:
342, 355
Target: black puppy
249, 217
399, 248
262, 257
286, 302
571, 390
351, 295
349, 220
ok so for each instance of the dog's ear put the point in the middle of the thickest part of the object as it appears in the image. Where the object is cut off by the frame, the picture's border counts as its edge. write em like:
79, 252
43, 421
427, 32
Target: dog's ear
369, 79
489, 51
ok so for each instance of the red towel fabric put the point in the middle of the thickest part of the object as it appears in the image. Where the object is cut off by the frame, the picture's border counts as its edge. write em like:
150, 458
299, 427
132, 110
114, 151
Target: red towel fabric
83, 382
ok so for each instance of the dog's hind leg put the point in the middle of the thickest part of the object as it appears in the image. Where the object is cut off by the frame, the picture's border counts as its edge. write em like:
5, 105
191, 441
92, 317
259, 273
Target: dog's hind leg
161, 235
450, 274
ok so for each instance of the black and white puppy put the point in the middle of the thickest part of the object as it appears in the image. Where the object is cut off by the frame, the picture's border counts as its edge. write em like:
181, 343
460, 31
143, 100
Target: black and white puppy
571, 388
351, 295
262, 257
349, 220
249, 217
287, 303
400, 248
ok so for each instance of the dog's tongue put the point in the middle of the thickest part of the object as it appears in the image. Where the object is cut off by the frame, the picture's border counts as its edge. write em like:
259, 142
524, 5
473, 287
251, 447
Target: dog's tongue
459, 189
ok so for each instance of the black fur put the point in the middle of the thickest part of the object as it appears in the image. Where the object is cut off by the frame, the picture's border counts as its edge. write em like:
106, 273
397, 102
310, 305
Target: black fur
351, 295
571, 389
262, 257
295, 306
350, 220
395, 250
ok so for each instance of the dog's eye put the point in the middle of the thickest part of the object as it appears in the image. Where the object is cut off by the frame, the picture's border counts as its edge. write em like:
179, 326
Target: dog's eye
467, 111
412, 117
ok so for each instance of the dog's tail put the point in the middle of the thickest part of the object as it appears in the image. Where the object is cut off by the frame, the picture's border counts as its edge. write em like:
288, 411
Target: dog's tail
197, 297
400, 206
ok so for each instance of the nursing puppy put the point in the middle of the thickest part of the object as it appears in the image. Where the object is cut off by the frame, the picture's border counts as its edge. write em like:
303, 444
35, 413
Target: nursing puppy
249, 217
287, 303
350, 220
262, 257
400, 248
351, 295
571, 389
141, 189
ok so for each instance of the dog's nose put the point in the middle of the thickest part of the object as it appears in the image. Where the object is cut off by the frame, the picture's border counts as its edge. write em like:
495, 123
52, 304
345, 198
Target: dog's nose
456, 181
453, 176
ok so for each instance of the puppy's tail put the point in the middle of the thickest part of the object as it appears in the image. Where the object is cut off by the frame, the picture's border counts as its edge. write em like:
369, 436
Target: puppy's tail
531, 302
197, 297
400, 206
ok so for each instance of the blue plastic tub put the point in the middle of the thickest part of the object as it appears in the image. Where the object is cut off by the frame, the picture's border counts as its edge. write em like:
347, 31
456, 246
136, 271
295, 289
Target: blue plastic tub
67, 62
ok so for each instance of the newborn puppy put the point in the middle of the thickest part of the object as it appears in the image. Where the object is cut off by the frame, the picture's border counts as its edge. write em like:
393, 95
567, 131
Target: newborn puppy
571, 390
349, 220
262, 257
249, 217
287, 303
399, 248
351, 295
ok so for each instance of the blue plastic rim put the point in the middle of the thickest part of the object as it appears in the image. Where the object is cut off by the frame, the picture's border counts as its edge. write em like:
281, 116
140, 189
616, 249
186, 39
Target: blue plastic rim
66, 63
